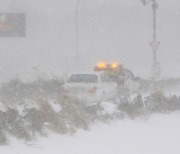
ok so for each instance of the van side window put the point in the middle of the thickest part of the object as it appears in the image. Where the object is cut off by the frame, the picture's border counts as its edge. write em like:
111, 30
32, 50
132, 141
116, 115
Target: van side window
106, 78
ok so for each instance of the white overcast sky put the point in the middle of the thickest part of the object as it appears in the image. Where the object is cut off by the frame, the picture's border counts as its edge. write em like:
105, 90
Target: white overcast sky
109, 30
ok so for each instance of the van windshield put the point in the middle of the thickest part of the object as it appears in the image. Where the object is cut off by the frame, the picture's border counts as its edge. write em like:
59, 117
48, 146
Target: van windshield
83, 78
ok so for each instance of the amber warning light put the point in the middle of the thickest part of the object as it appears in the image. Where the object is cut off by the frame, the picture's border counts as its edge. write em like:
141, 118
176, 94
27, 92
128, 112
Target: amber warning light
114, 65
103, 66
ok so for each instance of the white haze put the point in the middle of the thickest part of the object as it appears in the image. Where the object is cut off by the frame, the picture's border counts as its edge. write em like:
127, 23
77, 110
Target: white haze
109, 30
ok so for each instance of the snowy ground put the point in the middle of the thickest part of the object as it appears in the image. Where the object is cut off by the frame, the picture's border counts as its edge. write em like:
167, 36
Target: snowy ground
159, 135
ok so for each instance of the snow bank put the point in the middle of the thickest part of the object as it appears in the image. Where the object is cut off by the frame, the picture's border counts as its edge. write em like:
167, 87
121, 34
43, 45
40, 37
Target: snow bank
159, 135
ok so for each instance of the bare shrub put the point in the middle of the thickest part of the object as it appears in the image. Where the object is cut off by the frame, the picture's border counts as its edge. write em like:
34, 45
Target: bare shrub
3, 138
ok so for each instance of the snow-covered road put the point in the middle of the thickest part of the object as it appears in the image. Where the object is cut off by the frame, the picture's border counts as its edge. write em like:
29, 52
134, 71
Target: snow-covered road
159, 135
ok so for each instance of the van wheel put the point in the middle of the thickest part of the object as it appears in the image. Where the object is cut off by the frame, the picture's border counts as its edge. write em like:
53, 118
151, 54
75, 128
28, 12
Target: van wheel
117, 98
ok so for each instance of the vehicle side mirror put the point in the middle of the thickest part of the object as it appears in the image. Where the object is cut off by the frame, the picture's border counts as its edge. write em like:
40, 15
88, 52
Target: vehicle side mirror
65, 77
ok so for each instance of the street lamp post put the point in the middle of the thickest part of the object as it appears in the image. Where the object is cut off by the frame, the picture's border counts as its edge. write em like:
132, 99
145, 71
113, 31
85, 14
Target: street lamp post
154, 44
154, 7
77, 32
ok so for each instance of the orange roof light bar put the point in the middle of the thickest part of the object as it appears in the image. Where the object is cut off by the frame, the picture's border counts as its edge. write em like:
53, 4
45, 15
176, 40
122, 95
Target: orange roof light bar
107, 67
